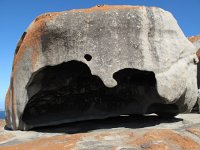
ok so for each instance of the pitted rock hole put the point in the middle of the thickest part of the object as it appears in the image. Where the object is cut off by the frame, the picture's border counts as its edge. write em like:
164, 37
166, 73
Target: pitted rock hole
68, 92
88, 57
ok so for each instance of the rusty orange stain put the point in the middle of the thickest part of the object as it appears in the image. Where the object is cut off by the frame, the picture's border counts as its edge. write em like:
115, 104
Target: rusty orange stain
4, 137
13, 104
194, 38
7, 106
32, 39
64, 142
35, 56
194, 130
102, 136
155, 139
7, 101
106, 8
164, 139
2, 123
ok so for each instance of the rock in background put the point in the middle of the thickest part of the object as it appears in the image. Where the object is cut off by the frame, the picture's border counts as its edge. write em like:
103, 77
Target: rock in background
196, 41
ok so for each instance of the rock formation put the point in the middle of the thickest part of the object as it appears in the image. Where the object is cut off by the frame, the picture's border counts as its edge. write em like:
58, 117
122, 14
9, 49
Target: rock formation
120, 133
100, 62
196, 41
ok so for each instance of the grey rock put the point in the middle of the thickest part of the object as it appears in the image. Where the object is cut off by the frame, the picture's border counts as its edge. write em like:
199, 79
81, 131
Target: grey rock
98, 63
196, 42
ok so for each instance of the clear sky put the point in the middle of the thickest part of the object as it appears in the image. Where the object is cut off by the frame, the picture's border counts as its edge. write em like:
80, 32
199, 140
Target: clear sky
16, 15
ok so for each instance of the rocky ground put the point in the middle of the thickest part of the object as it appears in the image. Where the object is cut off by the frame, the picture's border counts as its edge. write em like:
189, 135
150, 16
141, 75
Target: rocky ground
120, 133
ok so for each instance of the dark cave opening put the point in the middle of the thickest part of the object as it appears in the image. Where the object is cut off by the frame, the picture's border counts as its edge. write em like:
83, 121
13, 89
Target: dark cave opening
68, 92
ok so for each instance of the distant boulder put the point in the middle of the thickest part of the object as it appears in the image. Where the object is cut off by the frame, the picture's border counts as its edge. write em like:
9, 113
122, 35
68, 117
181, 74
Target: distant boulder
196, 42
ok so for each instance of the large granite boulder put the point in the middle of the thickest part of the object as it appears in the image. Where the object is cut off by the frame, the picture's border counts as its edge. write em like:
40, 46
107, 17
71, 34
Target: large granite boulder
100, 62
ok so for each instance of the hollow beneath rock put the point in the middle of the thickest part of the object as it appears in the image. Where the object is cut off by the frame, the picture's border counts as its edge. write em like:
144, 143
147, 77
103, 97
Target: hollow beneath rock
68, 92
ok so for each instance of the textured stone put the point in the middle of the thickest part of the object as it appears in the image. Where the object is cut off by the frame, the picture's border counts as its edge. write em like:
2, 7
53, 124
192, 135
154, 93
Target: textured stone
123, 139
196, 42
195, 130
4, 135
120, 133
100, 62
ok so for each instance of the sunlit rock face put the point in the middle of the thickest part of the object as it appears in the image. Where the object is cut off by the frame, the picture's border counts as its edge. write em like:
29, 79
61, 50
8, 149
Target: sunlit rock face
196, 41
100, 62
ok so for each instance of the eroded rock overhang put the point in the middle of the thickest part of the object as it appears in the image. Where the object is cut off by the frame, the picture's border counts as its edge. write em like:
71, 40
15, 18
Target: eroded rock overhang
109, 60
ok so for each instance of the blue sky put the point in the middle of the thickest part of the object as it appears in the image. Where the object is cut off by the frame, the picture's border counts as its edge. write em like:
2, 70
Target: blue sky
16, 15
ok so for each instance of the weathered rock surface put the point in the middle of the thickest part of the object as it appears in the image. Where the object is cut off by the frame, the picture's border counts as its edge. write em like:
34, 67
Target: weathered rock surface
196, 41
100, 62
121, 133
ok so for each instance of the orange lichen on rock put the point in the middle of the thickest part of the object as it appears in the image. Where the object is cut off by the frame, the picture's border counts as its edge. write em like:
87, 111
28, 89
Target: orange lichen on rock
7, 102
7, 105
4, 137
64, 142
194, 130
13, 105
106, 8
2, 123
32, 38
164, 139
194, 38
125, 135
157, 139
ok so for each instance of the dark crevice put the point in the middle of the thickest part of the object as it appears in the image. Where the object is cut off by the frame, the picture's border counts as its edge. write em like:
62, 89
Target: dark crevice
68, 92
163, 109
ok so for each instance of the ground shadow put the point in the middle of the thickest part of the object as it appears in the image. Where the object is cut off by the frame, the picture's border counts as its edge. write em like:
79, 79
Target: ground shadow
132, 122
